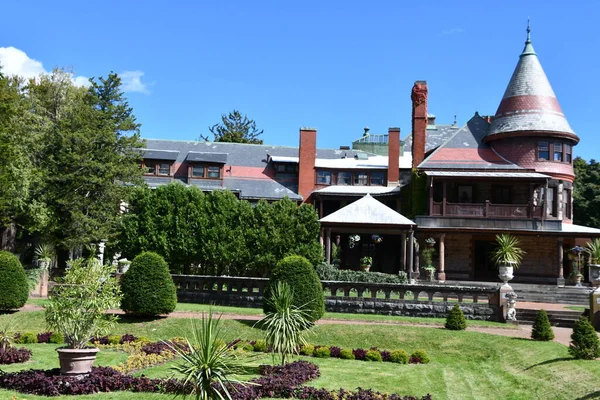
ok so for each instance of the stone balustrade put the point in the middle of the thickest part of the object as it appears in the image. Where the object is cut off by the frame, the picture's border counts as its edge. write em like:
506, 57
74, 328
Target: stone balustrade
420, 300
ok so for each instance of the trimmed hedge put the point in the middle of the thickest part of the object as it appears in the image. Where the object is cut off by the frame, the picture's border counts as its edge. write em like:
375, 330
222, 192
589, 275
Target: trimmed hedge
328, 272
14, 289
542, 330
297, 272
147, 286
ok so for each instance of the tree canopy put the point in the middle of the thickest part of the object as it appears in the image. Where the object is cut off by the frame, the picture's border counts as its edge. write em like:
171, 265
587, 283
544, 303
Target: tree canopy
586, 192
235, 128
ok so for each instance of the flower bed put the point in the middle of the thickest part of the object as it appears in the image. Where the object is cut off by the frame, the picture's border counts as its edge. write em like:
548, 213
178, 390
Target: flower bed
12, 355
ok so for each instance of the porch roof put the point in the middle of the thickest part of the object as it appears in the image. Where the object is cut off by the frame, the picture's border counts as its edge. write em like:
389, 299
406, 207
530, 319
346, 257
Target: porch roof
572, 228
367, 211
481, 174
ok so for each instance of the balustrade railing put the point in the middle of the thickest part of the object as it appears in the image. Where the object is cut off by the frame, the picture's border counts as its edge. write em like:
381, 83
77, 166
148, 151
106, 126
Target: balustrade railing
486, 210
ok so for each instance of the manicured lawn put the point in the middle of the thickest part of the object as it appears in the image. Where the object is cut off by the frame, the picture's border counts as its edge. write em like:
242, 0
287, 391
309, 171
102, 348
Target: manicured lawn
577, 308
465, 365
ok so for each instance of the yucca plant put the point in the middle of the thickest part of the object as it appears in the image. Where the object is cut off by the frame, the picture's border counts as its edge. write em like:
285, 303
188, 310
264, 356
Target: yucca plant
285, 326
507, 251
593, 249
209, 367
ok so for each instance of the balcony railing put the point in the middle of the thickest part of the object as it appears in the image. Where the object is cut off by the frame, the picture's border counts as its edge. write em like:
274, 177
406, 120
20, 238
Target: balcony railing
486, 210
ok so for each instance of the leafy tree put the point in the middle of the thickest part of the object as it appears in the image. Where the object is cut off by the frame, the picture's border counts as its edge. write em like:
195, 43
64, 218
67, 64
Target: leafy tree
586, 192
234, 128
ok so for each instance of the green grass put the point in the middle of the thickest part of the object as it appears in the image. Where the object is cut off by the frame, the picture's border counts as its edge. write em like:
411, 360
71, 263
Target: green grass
577, 308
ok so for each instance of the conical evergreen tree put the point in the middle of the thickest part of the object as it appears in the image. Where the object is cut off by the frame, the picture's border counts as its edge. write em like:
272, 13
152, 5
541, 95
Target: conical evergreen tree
584, 340
542, 330
456, 320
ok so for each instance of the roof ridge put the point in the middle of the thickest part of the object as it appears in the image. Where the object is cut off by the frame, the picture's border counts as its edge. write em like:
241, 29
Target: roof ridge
443, 144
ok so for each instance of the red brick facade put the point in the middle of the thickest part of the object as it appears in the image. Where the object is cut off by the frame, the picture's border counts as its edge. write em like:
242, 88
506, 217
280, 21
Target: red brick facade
419, 121
393, 156
306, 164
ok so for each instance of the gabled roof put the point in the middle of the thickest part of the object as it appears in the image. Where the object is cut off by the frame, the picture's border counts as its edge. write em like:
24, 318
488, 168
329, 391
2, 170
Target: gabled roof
435, 137
466, 150
367, 211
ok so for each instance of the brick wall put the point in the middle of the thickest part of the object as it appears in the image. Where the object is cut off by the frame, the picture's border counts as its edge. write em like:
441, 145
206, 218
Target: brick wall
459, 256
393, 156
306, 162
419, 121
541, 259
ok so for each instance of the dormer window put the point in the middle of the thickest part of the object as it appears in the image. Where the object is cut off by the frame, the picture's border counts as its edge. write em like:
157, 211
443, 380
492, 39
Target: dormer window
324, 177
205, 171
156, 168
377, 178
198, 171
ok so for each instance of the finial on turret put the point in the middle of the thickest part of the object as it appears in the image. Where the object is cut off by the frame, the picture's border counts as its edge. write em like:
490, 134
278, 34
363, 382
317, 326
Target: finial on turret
528, 50
528, 31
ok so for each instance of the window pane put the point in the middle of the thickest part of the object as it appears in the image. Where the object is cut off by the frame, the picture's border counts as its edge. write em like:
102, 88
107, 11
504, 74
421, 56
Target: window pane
568, 153
361, 178
324, 177
376, 178
344, 178
550, 202
280, 168
150, 167
543, 151
567, 203
558, 155
214, 172
198, 171
164, 169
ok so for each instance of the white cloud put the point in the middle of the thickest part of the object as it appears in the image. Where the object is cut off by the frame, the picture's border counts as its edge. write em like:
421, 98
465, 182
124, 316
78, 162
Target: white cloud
453, 31
16, 62
132, 82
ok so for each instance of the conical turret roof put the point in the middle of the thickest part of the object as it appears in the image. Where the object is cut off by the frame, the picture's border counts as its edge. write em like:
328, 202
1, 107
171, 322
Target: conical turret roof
529, 103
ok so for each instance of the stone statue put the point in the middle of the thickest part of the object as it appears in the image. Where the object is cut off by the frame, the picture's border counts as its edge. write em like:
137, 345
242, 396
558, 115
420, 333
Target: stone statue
511, 313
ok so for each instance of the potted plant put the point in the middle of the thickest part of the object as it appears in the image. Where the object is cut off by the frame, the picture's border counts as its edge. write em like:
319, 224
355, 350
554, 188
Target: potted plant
593, 250
365, 263
428, 252
77, 309
507, 256
44, 254
575, 256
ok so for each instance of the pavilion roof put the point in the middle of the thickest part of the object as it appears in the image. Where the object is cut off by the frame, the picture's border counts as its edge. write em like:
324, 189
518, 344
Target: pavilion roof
367, 211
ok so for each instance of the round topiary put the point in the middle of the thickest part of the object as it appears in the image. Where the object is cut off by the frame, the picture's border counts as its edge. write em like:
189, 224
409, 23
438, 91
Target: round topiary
456, 320
347, 354
14, 289
584, 340
322, 352
419, 357
147, 286
399, 356
373, 355
307, 350
302, 278
542, 330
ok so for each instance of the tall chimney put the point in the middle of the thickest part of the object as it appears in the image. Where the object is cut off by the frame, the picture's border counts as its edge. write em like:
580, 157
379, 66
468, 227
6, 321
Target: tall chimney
393, 157
419, 122
306, 162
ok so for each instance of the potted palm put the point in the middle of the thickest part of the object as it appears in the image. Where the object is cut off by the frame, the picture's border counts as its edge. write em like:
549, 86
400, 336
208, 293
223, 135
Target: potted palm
575, 256
77, 309
365, 263
593, 250
44, 254
507, 256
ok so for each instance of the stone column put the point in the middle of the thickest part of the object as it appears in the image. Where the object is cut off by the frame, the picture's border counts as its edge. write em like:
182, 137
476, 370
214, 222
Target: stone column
321, 239
328, 245
442, 272
560, 281
403, 250
410, 246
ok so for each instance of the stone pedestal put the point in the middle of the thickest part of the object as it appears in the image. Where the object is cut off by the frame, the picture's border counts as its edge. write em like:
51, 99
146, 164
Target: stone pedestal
41, 289
441, 277
595, 309
504, 290
560, 282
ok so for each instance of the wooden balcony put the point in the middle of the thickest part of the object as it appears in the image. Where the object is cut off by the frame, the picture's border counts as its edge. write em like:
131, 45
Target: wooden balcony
485, 210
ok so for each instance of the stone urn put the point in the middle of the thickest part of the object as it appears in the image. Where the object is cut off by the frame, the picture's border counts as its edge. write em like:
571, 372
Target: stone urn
505, 272
594, 274
75, 362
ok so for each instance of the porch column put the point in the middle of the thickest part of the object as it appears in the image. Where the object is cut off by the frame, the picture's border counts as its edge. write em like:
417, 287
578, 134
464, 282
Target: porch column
321, 239
411, 236
403, 252
560, 281
444, 197
441, 272
328, 245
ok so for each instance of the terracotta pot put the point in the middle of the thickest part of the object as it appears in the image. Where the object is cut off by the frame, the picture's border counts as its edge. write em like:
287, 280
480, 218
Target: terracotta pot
594, 274
76, 361
505, 272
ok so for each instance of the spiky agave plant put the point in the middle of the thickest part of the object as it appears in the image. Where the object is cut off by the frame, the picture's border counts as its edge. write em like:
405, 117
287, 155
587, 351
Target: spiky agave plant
285, 327
209, 367
507, 250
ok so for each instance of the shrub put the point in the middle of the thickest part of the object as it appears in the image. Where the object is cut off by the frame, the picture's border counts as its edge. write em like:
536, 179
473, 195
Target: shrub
307, 349
143, 339
373, 355
584, 341
328, 272
127, 338
147, 286
399, 357
419, 357
245, 346
335, 351
456, 320
542, 330
359, 354
114, 339
260, 346
13, 355
347, 354
56, 338
14, 289
27, 338
44, 337
306, 287
322, 352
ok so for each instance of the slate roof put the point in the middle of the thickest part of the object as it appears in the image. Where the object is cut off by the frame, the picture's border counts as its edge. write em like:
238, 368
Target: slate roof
529, 103
435, 137
367, 211
160, 154
465, 149
219, 158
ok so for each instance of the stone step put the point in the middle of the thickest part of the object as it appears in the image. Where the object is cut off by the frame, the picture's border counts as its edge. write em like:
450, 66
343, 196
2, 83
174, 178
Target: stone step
564, 319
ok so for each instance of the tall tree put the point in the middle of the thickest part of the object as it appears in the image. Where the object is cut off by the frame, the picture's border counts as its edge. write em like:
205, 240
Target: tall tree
235, 128
586, 192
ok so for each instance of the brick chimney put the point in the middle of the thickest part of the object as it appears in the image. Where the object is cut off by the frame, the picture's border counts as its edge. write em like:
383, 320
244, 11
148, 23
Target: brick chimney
306, 162
419, 122
393, 157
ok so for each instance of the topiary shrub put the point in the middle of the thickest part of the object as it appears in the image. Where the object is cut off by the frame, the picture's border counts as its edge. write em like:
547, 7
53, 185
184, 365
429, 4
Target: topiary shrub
346, 354
373, 355
542, 330
419, 357
147, 286
56, 338
260, 346
584, 341
27, 338
300, 275
244, 346
399, 357
456, 320
14, 289
307, 350
114, 339
322, 352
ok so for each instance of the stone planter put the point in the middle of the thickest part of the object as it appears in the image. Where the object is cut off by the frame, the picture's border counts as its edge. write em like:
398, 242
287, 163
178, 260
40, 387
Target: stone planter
74, 362
365, 268
594, 274
505, 272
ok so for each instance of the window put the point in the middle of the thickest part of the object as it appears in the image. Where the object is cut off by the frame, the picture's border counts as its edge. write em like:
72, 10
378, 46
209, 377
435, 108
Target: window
280, 167
214, 171
164, 169
344, 178
567, 204
543, 151
324, 177
150, 167
361, 178
568, 156
558, 151
198, 171
550, 202
501, 195
377, 178
465, 194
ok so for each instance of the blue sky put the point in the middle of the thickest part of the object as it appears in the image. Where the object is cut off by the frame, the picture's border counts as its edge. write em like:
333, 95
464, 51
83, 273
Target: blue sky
335, 65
